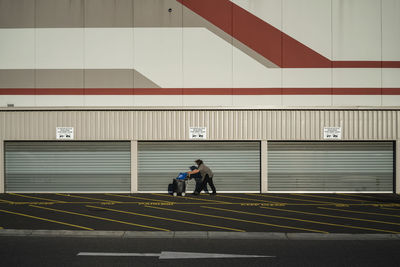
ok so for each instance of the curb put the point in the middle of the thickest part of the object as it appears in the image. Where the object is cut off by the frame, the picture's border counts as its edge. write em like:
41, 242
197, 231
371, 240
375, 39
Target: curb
196, 235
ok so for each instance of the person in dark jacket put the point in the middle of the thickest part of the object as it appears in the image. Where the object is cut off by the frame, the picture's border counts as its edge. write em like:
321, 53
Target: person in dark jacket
207, 176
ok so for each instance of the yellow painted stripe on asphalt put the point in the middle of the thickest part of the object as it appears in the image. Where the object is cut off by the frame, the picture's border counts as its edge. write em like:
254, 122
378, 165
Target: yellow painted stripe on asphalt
240, 220
289, 218
91, 198
299, 199
332, 216
242, 198
144, 198
361, 195
192, 198
363, 212
44, 219
6, 201
99, 218
40, 198
269, 201
339, 198
168, 219
358, 219
390, 209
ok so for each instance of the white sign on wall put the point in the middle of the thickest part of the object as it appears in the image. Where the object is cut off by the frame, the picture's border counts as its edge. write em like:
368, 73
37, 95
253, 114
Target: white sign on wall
65, 133
333, 133
198, 133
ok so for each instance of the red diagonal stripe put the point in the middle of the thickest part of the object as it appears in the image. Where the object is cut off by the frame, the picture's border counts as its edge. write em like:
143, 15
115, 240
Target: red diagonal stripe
268, 41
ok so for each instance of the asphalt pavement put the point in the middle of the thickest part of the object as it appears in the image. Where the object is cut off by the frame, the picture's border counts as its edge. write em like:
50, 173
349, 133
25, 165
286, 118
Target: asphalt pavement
40, 251
202, 215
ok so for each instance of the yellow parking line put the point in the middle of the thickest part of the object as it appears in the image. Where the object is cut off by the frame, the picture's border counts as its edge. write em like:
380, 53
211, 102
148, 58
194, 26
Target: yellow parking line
192, 198
6, 201
295, 219
99, 218
390, 209
366, 220
144, 198
40, 198
360, 195
240, 220
362, 212
44, 219
169, 219
242, 198
332, 216
91, 198
307, 195
300, 199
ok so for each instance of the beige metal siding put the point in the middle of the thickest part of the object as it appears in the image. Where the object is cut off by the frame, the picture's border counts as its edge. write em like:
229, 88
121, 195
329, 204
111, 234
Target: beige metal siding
221, 125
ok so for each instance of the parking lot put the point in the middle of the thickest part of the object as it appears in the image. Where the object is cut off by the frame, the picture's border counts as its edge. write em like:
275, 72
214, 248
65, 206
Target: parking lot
295, 213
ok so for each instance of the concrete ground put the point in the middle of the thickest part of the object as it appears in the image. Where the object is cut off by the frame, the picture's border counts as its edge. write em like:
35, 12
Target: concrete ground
272, 213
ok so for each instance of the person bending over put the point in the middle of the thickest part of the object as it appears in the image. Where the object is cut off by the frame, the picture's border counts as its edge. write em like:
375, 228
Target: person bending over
207, 176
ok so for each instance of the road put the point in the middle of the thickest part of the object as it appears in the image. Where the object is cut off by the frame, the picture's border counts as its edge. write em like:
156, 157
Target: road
50, 251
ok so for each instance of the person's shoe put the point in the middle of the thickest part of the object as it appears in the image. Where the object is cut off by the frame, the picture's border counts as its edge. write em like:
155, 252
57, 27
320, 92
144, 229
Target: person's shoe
195, 193
213, 193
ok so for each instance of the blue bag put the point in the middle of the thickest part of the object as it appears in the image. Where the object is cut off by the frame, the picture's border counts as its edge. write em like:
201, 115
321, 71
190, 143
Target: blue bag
182, 176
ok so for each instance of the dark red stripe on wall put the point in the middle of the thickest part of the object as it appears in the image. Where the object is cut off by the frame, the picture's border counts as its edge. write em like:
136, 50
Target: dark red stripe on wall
356, 91
199, 91
267, 40
306, 91
390, 91
257, 91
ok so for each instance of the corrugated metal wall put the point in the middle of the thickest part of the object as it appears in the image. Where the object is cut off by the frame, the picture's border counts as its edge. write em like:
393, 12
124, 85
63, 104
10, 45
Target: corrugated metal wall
68, 166
330, 166
236, 165
221, 124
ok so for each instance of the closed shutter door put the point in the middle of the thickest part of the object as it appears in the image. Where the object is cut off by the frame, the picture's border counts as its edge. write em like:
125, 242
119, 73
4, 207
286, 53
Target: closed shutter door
67, 166
330, 166
236, 165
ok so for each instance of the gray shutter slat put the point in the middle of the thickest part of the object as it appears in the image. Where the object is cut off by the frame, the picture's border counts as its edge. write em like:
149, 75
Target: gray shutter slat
67, 166
330, 166
236, 165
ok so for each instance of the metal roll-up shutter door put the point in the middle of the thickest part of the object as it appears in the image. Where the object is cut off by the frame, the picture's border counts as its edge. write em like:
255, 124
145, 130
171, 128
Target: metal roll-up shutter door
67, 166
236, 165
330, 166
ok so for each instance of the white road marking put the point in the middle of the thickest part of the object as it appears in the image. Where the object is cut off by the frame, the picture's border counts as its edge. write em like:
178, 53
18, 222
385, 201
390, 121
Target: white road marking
169, 255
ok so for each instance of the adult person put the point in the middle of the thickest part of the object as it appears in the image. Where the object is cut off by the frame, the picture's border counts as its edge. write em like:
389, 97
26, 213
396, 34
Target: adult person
199, 180
207, 176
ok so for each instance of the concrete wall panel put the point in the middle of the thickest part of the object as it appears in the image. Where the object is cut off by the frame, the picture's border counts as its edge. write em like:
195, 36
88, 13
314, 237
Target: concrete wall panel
60, 101
306, 100
109, 48
102, 13
59, 13
17, 78
390, 30
269, 11
356, 100
17, 14
59, 78
358, 78
17, 48
307, 78
309, 21
158, 55
18, 100
356, 29
59, 49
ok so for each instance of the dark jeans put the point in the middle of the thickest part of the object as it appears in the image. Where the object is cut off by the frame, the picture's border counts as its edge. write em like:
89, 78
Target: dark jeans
207, 180
199, 183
